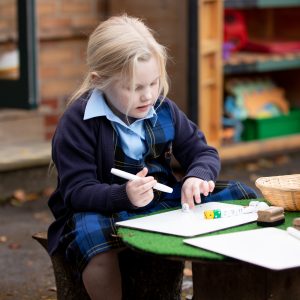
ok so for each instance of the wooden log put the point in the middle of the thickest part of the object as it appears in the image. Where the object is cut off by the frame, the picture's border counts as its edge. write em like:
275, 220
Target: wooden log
143, 276
68, 287
146, 276
238, 280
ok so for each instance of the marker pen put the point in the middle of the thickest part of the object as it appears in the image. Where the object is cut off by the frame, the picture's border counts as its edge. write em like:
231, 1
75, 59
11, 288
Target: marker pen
129, 176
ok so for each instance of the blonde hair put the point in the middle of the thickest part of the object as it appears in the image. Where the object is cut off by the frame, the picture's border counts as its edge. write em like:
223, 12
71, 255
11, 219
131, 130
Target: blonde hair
113, 50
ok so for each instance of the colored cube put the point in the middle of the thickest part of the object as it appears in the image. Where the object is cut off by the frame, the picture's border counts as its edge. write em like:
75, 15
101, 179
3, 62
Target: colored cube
209, 214
217, 213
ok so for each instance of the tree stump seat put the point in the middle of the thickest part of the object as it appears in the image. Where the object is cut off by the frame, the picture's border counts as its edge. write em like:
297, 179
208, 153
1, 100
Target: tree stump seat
144, 276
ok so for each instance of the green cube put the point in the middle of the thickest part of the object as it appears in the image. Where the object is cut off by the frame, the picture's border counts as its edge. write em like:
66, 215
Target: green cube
217, 213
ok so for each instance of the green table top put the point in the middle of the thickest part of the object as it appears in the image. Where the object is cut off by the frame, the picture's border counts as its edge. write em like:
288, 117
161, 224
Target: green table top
173, 246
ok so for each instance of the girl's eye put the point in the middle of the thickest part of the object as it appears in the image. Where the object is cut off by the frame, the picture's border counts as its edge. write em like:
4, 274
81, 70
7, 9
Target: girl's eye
139, 88
154, 83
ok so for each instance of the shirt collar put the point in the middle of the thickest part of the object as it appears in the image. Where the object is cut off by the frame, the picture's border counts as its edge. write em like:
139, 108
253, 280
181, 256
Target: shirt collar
97, 107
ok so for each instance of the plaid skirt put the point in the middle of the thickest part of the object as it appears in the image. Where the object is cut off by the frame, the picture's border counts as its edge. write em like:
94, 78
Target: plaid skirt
90, 233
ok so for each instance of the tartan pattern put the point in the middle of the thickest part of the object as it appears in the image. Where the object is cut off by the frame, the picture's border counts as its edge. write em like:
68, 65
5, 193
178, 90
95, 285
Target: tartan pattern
231, 190
91, 233
158, 156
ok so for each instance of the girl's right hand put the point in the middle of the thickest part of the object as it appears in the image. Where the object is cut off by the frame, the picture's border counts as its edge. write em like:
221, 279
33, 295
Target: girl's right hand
140, 191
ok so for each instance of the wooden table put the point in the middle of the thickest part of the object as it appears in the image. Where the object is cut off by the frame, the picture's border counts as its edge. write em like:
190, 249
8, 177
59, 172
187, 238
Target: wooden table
216, 276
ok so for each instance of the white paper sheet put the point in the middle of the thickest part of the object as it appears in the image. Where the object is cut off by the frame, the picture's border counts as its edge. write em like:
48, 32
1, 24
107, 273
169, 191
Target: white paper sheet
270, 247
191, 223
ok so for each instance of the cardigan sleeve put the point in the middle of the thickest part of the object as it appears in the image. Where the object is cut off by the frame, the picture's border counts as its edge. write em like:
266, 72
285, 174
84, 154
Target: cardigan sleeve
190, 148
74, 154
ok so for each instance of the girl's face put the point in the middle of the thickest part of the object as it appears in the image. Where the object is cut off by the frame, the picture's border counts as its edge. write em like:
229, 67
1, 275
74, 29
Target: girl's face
137, 103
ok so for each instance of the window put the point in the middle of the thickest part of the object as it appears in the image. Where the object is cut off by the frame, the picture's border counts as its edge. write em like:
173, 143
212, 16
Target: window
18, 80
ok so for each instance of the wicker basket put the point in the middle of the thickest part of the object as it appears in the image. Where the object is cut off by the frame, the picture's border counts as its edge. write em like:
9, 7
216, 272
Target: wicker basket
281, 191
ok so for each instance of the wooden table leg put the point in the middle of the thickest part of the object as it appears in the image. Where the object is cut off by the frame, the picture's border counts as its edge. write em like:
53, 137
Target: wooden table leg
241, 281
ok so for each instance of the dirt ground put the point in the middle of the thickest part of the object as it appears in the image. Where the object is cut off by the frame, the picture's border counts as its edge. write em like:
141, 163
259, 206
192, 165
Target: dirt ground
25, 268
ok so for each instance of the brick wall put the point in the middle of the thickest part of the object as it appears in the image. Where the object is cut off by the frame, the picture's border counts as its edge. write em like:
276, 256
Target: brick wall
168, 19
8, 21
63, 27
8, 35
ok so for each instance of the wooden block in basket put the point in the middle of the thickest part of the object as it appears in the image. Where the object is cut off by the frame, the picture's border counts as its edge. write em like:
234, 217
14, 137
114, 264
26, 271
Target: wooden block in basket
281, 190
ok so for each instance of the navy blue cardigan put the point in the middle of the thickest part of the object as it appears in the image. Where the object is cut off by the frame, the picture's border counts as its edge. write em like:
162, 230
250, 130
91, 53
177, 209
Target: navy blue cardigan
82, 151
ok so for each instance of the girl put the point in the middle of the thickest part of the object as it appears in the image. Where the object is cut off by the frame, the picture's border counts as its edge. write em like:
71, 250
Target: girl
120, 117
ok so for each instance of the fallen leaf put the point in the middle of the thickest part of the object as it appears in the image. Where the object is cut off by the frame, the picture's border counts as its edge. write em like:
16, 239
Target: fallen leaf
3, 238
15, 202
187, 272
32, 197
19, 195
52, 289
265, 163
48, 191
282, 160
252, 167
29, 263
14, 246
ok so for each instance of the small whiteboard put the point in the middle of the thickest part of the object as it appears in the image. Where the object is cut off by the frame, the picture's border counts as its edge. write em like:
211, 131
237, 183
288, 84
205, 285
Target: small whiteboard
190, 223
271, 248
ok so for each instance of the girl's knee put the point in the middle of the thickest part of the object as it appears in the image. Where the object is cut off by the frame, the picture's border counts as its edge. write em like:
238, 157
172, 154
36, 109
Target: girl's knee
104, 259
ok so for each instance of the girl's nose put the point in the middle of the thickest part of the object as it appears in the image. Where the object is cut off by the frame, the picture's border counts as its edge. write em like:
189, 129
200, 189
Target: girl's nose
147, 95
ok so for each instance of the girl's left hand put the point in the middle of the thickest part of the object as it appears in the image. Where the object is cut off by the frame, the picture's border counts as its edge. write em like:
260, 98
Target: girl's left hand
191, 189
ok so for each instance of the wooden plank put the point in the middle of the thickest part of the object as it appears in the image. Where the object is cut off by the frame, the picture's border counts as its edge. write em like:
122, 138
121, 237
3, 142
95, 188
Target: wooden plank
210, 69
248, 150
214, 280
261, 3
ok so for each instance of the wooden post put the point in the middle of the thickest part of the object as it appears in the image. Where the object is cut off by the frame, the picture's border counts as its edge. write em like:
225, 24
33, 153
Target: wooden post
67, 286
143, 276
238, 280
210, 66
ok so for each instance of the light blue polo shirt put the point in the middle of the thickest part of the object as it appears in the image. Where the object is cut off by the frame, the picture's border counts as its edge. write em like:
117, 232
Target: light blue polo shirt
132, 136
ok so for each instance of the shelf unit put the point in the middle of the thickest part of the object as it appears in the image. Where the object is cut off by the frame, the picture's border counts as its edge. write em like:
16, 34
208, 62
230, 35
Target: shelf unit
257, 63
212, 72
260, 3
210, 79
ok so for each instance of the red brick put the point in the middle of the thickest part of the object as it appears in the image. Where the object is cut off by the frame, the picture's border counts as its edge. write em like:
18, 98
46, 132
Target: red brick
84, 22
4, 26
76, 7
49, 135
48, 72
46, 8
55, 23
51, 120
73, 71
55, 88
56, 55
52, 103
8, 9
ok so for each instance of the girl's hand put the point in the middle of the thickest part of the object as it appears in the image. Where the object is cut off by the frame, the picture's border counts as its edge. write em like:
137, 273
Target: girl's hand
191, 189
140, 191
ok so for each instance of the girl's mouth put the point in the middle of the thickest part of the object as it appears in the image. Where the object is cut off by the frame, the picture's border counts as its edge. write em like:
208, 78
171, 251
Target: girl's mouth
143, 108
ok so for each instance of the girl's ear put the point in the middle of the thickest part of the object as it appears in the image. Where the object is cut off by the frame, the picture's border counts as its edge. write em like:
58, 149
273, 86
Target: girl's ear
95, 77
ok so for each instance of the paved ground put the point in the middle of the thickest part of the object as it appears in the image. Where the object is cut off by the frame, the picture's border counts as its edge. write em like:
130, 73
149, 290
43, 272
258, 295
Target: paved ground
25, 267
